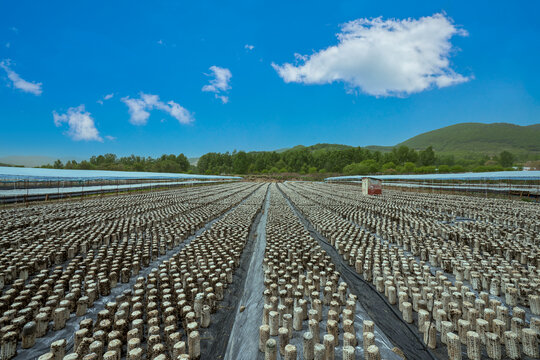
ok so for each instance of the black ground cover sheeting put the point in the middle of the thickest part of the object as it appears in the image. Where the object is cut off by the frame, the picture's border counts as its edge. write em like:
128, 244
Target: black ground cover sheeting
215, 338
244, 338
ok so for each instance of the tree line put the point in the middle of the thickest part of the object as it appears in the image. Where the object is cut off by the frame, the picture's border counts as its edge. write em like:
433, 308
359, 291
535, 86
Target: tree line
349, 161
303, 160
166, 163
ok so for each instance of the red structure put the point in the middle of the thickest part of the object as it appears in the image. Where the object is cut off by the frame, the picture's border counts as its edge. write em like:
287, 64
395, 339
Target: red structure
371, 186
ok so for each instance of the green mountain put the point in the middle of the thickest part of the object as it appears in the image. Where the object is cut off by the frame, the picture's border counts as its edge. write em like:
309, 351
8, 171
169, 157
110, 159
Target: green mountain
460, 139
479, 138
465, 140
282, 150
310, 148
380, 148
322, 147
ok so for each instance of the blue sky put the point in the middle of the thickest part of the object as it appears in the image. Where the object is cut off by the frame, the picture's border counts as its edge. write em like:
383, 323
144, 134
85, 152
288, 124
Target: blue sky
195, 77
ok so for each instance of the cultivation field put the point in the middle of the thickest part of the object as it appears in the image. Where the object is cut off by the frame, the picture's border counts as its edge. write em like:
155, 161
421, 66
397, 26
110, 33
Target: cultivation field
271, 271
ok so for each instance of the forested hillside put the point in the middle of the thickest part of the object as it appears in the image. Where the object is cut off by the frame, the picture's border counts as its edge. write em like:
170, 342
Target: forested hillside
456, 148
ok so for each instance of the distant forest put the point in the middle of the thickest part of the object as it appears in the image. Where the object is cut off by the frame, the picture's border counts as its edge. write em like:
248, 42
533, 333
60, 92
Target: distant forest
303, 160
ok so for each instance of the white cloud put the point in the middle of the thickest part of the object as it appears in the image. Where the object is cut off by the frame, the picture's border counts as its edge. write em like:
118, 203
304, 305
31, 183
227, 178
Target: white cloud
224, 99
160, 42
178, 112
110, 138
249, 47
106, 97
383, 57
220, 83
81, 125
18, 82
139, 109
221, 79
137, 112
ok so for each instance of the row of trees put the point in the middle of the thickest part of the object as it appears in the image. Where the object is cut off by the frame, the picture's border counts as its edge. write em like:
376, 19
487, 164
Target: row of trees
165, 163
317, 159
350, 161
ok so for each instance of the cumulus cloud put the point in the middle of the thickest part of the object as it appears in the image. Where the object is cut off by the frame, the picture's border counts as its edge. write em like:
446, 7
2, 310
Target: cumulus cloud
219, 85
383, 57
18, 82
139, 109
81, 125
176, 111
249, 47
